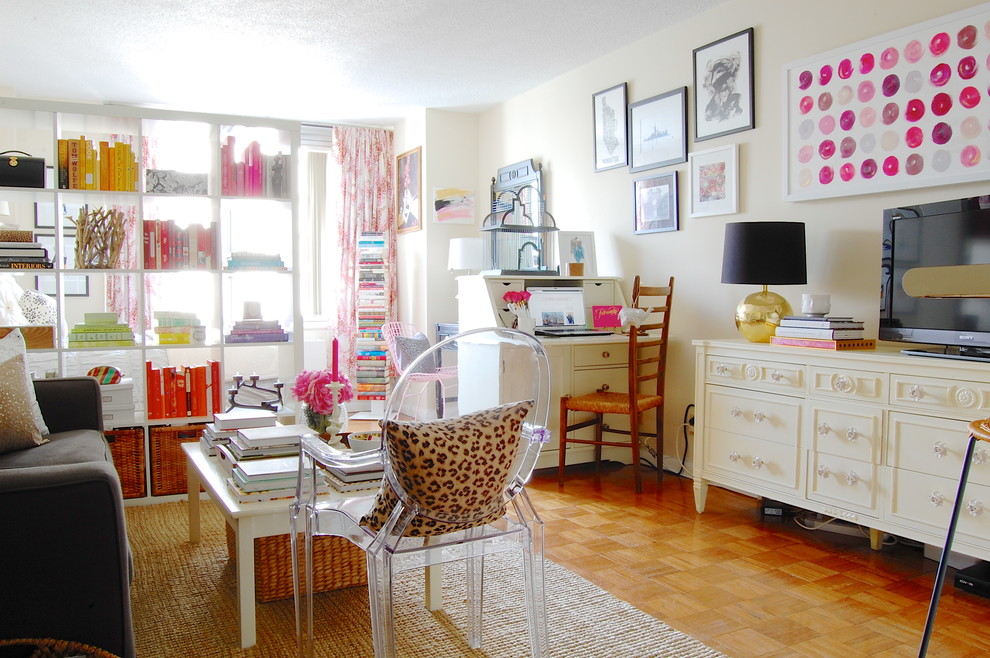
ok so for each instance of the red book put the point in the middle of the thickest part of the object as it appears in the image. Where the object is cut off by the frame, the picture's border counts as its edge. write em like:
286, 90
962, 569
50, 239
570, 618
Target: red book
181, 405
198, 392
154, 395
216, 387
164, 245
149, 244
168, 392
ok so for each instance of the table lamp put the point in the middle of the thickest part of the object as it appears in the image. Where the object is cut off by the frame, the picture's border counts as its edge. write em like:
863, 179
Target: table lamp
464, 254
763, 253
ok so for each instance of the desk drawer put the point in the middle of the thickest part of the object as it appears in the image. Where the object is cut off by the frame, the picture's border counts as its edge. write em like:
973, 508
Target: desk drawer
936, 446
767, 417
925, 502
765, 375
760, 462
595, 356
967, 399
848, 483
849, 384
847, 431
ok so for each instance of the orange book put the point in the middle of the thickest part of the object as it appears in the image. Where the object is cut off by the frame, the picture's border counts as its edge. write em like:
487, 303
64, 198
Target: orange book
169, 409
216, 387
63, 164
181, 386
73, 166
89, 163
154, 383
199, 404
104, 165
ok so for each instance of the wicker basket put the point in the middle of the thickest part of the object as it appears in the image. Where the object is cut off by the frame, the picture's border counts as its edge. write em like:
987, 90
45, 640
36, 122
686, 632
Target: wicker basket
168, 462
337, 563
127, 448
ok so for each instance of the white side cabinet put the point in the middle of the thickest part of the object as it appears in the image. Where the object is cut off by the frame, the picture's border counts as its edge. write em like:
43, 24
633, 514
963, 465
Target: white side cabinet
874, 437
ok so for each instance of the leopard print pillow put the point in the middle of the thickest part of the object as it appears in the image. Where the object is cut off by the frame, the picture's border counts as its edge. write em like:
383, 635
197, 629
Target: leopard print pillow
451, 467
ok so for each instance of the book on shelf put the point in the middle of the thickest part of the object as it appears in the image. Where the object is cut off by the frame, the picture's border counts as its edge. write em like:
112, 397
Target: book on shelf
825, 344
101, 317
266, 337
105, 165
815, 322
240, 418
809, 332
26, 265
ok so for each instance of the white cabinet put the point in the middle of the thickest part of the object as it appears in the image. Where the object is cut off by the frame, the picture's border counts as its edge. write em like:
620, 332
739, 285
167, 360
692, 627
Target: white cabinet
875, 437
577, 365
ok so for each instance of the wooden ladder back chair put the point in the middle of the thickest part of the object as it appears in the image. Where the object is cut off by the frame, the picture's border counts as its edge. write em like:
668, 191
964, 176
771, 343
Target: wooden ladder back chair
647, 361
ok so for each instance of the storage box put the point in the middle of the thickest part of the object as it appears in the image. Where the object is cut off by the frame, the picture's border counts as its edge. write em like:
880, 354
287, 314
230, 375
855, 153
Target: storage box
168, 462
119, 395
337, 563
127, 448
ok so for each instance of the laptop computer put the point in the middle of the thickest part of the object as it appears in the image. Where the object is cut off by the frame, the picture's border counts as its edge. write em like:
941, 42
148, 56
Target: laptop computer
560, 312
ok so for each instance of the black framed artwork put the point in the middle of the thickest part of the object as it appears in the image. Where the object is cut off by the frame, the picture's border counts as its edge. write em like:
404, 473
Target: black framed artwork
724, 86
609, 111
655, 203
658, 131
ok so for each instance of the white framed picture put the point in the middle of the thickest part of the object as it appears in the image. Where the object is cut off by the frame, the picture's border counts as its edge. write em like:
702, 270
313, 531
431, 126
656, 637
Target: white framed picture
577, 247
714, 181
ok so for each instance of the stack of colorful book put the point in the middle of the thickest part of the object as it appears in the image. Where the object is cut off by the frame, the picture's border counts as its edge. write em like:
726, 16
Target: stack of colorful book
249, 172
832, 332
168, 247
370, 351
101, 330
110, 166
16, 253
257, 331
249, 260
184, 391
179, 328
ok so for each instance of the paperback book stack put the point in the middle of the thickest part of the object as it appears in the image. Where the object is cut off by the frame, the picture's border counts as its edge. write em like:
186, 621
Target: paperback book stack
18, 253
249, 260
370, 350
101, 330
364, 474
257, 331
217, 436
179, 328
832, 332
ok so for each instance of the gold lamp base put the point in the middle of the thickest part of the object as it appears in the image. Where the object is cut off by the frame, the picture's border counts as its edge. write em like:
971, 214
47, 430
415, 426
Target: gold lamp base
759, 315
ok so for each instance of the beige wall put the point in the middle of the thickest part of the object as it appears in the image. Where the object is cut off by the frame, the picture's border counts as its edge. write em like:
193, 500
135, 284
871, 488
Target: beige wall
552, 124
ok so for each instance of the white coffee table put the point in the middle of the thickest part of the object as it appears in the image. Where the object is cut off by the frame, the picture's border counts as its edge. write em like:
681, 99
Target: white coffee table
250, 520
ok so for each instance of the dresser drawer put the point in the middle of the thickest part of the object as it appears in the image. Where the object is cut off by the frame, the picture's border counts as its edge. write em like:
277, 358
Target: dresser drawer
594, 356
966, 399
849, 384
770, 418
925, 502
849, 483
765, 375
847, 431
760, 462
935, 446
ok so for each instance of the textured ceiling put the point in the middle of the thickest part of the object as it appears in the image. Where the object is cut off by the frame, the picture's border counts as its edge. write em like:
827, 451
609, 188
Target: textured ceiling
361, 61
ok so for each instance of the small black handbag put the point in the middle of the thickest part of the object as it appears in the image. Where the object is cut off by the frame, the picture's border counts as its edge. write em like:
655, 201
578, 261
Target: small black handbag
19, 169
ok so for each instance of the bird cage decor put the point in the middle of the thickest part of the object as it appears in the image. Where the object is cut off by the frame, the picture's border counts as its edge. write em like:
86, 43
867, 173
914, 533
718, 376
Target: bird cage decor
517, 234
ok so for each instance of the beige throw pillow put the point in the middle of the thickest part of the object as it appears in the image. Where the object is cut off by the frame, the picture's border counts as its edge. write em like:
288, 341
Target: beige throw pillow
12, 345
17, 426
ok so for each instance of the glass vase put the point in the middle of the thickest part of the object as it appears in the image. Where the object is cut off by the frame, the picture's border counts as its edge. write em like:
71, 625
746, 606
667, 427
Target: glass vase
326, 425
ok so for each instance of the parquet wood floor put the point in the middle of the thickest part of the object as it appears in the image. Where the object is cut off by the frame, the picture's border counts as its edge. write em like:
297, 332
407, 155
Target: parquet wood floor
744, 584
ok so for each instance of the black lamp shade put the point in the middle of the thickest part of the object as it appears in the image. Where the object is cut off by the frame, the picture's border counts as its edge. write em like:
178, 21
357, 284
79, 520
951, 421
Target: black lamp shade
764, 253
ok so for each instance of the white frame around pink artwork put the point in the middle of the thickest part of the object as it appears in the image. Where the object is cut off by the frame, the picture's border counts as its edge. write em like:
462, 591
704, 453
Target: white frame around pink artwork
821, 133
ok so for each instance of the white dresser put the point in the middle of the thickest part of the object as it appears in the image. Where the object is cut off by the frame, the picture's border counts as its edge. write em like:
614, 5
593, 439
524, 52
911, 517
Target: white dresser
874, 437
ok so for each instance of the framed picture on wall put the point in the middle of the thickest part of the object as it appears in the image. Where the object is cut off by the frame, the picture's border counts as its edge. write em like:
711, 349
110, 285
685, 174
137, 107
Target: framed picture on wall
714, 182
658, 131
723, 86
655, 203
577, 247
609, 111
408, 190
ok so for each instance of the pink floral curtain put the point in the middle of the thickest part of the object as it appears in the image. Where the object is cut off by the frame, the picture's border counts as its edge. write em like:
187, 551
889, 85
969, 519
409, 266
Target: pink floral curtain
365, 157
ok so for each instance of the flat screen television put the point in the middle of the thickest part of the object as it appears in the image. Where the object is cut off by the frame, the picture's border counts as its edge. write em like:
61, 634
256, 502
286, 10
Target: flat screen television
935, 277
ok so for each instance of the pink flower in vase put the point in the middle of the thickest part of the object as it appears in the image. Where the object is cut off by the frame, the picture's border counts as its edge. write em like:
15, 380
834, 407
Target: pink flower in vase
518, 301
311, 387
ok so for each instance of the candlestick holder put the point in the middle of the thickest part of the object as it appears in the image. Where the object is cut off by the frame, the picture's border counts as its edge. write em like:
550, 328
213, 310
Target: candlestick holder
252, 384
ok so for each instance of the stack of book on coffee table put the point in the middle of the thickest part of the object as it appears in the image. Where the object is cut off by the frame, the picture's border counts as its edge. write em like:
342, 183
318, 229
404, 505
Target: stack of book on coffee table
356, 472
263, 462
830, 332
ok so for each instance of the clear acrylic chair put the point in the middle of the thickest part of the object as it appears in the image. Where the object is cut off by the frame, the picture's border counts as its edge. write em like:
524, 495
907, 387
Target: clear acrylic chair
453, 487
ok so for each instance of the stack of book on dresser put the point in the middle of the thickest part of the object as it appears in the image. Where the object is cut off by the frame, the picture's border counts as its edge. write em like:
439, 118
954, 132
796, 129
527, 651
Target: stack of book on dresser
830, 332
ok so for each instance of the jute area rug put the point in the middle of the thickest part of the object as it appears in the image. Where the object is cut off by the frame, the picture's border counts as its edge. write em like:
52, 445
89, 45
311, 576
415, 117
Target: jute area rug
184, 604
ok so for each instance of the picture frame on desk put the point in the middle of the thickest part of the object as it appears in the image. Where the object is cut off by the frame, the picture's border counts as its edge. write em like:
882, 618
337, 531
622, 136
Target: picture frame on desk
577, 247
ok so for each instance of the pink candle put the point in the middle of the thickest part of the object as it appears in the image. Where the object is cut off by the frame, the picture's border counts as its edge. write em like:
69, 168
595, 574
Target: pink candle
333, 359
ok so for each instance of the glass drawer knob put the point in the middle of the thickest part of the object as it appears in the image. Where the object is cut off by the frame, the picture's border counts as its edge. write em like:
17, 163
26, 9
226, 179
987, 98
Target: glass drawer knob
823, 429
974, 507
843, 384
759, 416
979, 456
916, 393
721, 368
735, 412
776, 376
758, 463
940, 449
824, 472
734, 456
852, 434
852, 478
936, 498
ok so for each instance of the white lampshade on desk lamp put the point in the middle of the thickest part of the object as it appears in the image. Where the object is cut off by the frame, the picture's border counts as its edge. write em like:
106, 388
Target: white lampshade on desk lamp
763, 254
464, 254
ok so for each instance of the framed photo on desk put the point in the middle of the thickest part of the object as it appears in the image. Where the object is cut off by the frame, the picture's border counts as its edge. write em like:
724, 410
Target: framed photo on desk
577, 247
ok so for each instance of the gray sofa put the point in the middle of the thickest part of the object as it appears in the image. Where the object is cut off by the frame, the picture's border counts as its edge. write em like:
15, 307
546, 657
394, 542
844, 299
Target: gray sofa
67, 568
